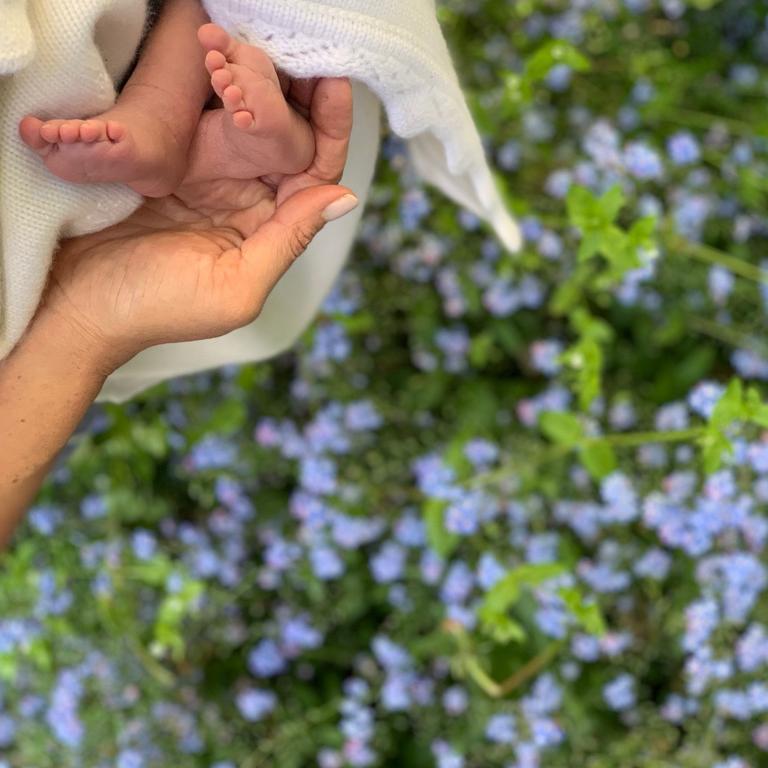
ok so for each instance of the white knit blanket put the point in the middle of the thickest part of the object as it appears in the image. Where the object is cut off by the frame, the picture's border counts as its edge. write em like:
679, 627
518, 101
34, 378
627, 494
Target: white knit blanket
61, 58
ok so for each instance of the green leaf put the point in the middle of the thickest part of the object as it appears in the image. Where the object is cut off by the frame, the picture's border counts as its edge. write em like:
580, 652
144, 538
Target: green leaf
612, 202
507, 590
715, 445
756, 409
599, 459
589, 372
583, 209
502, 629
481, 349
588, 614
567, 295
175, 607
641, 233
154, 572
730, 407
561, 428
591, 245
551, 54
440, 539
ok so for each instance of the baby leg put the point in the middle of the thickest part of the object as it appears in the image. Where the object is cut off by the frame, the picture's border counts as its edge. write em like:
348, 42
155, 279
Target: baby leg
143, 141
258, 132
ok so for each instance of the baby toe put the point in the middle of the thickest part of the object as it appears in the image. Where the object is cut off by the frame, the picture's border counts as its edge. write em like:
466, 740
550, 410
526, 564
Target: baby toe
232, 97
115, 131
50, 131
215, 60
69, 133
93, 130
213, 38
221, 79
29, 130
243, 120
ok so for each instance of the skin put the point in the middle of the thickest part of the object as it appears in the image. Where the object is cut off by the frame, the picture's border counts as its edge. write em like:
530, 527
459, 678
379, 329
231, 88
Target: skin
150, 139
193, 265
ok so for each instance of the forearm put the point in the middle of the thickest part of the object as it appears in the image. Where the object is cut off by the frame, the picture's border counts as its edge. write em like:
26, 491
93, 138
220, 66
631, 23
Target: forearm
46, 385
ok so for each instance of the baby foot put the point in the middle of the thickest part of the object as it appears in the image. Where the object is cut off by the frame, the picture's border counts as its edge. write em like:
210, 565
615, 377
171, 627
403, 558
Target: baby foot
122, 145
263, 132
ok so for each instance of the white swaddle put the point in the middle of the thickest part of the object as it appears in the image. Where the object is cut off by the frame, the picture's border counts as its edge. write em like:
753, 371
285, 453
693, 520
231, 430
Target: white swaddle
392, 49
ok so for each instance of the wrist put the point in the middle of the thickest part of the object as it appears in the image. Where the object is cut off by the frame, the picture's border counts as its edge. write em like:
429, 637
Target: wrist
69, 340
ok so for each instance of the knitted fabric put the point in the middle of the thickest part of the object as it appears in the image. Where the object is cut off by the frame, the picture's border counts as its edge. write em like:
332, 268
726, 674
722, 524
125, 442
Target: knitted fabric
397, 49
68, 76
17, 45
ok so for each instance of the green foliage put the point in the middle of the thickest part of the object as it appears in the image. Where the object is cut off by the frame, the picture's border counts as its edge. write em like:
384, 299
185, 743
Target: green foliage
440, 539
521, 88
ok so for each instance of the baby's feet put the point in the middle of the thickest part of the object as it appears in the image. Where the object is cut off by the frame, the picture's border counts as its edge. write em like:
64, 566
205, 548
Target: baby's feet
262, 131
125, 144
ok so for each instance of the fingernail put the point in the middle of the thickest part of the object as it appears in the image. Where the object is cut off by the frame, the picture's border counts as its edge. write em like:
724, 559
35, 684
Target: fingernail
340, 207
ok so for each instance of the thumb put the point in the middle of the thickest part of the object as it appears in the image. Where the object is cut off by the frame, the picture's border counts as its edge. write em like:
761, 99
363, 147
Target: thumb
270, 251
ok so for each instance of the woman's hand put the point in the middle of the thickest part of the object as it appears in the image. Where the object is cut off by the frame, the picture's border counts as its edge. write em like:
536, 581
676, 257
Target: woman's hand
202, 262
190, 266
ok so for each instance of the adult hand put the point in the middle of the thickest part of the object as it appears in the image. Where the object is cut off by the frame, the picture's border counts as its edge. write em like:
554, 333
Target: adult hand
193, 265
202, 262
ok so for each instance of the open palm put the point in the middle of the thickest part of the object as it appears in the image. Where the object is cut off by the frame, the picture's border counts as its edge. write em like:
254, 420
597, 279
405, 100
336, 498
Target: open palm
202, 262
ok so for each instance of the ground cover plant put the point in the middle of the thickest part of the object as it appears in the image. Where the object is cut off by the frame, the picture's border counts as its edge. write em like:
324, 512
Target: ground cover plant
494, 510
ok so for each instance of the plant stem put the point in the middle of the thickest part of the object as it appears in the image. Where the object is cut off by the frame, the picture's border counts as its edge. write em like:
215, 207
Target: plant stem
634, 439
710, 255
530, 669
731, 336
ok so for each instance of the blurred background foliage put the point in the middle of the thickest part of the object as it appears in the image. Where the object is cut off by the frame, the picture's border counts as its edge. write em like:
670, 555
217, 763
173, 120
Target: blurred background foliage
495, 509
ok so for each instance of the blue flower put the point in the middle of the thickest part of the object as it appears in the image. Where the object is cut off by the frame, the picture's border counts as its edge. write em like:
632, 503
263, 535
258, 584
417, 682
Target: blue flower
752, 648
458, 584
654, 564
144, 544
390, 655
265, 660
410, 531
545, 356
255, 704
326, 563
642, 161
297, 634
389, 563
545, 732
544, 697
45, 519
130, 758
620, 693
463, 515
331, 344
683, 148
501, 729
7, 731
489, 571
93, 507
395, 693
318, 475
414, 206
703, 398
211, 452
455, 700
481, 453
446, 756
362, 416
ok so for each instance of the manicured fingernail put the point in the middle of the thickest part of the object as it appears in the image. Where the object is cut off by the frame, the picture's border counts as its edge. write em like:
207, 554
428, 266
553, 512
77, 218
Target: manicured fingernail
340, 207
